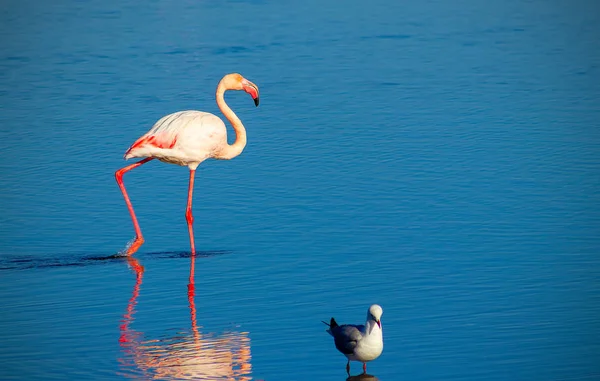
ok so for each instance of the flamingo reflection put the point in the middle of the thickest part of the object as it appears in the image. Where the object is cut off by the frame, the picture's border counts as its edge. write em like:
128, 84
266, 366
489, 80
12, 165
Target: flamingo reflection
187, 356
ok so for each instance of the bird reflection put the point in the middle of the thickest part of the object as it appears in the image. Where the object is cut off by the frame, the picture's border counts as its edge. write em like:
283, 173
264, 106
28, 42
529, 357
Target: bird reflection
190, 355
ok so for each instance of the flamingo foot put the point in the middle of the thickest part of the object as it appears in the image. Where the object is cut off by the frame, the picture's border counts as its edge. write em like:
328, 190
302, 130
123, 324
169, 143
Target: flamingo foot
134, 246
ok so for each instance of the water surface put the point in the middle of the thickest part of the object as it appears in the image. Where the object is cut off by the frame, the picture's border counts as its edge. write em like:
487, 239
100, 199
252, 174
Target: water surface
440, 159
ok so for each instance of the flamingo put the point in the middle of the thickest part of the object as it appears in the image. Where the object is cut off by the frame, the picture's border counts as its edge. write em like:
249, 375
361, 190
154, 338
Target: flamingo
187, 138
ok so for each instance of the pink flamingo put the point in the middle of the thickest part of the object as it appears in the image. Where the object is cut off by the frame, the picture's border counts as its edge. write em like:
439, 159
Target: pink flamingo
189, 138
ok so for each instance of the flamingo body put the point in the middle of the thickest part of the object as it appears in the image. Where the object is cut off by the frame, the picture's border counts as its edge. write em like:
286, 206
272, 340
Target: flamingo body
184, 138
187, 138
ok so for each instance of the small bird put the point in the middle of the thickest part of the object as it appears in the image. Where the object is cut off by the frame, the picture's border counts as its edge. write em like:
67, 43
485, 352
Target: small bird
359, 342
187, 138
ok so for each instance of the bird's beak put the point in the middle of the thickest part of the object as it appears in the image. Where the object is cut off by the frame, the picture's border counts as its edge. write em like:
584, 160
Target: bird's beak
379, 323
251, 89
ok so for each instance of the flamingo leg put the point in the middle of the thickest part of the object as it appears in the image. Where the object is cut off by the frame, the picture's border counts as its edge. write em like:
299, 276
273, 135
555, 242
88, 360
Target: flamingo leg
188, 211
348, 368
364, 367
139, 239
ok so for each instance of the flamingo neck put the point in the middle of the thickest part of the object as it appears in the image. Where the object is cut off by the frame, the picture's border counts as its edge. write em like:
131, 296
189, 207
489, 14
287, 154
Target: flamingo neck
230, 150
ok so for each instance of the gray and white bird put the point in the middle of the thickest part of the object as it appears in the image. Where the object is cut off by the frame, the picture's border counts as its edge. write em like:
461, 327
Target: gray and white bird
362, 343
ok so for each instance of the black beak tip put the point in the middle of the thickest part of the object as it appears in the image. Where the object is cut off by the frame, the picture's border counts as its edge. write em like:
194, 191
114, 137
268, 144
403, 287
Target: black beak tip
256, 101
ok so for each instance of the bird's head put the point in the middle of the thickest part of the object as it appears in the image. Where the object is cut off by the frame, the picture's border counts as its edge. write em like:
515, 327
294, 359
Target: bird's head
235, 81
375, 312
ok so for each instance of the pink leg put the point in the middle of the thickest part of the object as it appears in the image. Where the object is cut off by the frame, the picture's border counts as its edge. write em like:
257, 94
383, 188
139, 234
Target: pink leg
348, 368
188, 211
364, 367
139, 239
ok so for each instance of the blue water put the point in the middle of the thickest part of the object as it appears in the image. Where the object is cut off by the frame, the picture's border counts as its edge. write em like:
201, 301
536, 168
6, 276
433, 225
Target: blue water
441, 159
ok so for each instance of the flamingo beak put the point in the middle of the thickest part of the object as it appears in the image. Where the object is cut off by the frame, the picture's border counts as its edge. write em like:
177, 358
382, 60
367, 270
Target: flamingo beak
251, 89
379, 323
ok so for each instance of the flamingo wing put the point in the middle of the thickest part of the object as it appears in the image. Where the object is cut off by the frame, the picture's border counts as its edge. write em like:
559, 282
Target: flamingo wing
157, 141
162, 135
181, 138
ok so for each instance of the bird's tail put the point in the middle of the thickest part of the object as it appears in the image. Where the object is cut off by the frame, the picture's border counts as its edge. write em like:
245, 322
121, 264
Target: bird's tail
332, 324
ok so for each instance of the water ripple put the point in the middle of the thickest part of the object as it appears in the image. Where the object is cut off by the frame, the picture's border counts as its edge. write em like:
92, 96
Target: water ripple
21, 262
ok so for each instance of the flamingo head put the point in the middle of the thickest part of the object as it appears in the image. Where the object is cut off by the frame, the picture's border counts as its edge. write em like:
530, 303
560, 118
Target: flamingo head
235, 81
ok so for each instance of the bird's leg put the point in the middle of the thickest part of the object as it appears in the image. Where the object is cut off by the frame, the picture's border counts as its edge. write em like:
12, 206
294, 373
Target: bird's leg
364, 367
139, 239
348, 368
188, 211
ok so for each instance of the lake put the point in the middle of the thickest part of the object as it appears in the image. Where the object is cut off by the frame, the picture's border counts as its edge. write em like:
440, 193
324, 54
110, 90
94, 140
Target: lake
441, 159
